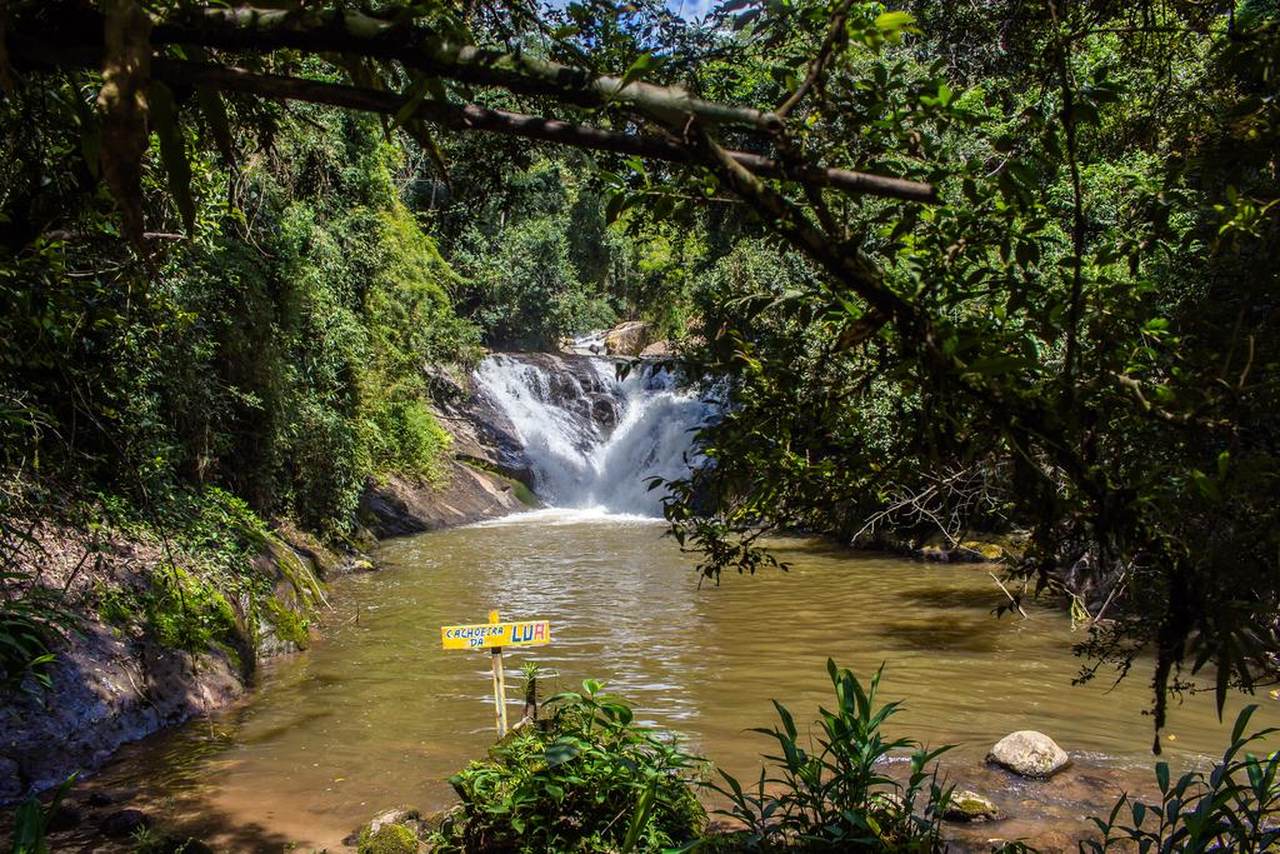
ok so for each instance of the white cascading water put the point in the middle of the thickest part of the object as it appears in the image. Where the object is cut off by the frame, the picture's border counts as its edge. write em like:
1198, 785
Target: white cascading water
591, 440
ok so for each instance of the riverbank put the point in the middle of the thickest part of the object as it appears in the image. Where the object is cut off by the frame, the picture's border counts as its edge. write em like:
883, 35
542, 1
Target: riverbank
161, 626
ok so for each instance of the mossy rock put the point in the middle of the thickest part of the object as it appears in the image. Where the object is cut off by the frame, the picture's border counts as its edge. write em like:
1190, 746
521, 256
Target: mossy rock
993, 552
967, 806
388, 839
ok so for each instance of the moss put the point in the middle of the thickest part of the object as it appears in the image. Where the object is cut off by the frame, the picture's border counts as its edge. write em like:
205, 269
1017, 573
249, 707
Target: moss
296, 572
389, 839
991, 551
523, 493
287, 623
966, 806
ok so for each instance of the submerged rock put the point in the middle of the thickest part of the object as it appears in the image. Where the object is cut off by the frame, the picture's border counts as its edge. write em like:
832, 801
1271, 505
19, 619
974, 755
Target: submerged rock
1029, 754
969, 806
124, 823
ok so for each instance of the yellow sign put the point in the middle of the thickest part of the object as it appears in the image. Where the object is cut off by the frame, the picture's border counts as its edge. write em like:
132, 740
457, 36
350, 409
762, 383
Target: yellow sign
488, 635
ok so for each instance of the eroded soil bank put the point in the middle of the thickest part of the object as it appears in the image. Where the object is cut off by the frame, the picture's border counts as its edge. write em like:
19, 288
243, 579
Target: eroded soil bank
119, 678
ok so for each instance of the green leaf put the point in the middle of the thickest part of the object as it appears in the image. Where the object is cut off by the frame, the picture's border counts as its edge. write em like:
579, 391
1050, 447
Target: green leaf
215, 114
644, 64
173, 152
894, 22
559, 752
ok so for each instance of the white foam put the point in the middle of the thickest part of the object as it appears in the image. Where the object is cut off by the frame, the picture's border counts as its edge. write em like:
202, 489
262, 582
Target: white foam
557, 516
576, 462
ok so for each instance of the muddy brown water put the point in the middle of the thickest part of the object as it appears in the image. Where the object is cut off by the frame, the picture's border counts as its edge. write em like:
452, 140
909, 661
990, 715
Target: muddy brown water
377, 715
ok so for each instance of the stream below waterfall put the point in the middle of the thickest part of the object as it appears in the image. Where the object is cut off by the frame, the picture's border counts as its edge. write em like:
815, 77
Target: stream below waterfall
377, 715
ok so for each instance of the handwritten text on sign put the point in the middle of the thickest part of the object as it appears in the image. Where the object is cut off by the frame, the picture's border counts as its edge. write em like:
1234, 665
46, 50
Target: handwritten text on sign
535, 633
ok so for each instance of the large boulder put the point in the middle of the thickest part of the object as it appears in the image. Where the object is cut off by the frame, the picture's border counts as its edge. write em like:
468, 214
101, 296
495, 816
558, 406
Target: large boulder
628, 339
1028, 753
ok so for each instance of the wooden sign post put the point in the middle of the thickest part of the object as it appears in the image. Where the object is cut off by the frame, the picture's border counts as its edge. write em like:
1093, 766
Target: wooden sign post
493, 636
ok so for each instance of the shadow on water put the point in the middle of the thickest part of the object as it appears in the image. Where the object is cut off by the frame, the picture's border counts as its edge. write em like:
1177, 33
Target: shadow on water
973, 599
975, 636
221, 831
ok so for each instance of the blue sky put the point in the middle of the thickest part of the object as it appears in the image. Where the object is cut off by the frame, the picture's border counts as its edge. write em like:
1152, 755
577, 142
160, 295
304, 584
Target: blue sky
690, 8
687, 8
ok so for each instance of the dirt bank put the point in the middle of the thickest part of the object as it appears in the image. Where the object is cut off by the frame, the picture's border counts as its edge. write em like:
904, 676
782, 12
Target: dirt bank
114, 681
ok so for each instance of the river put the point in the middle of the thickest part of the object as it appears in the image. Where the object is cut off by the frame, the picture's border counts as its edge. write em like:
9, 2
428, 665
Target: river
377, 714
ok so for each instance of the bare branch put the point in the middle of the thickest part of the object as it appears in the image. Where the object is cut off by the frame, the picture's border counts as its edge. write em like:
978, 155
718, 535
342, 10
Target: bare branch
835, 36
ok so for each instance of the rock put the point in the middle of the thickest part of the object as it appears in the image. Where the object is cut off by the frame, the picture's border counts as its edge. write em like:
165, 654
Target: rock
124, 823
445, 387
399, 815
392, 832
11, 786
102, 799
604, 412
67, 817
1029, 754
967, 806
628, 339
391, 839
657, 350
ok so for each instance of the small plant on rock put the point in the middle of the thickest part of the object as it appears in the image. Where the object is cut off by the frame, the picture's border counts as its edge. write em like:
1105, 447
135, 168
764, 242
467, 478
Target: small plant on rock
587, 778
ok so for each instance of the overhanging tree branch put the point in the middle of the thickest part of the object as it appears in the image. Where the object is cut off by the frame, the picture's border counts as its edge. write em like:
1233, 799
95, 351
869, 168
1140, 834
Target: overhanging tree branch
312, 30
472, 117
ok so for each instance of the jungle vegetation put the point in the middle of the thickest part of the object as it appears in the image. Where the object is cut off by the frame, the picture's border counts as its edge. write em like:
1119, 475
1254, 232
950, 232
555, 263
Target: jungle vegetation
968, 268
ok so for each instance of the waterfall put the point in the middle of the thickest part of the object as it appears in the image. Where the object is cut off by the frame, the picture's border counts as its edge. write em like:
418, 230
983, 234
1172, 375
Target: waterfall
588, 439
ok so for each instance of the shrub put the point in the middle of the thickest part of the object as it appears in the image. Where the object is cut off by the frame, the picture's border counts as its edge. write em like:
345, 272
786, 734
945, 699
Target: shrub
837, 798
587, 779
1234, 808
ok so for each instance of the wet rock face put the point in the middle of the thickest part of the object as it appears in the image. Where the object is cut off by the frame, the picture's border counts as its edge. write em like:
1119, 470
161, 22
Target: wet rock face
1028, 753
107, 690
571, 385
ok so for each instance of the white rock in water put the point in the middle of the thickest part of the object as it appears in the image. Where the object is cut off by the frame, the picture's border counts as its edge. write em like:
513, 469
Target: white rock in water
1029, 754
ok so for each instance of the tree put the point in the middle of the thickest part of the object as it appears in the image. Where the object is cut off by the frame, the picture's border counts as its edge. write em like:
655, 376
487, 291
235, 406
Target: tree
1031, 328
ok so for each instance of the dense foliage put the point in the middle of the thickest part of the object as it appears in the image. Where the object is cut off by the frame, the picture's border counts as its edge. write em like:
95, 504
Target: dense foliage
1232, 808
588, 778
218, 273
1084, 345
837, 795
279, 352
